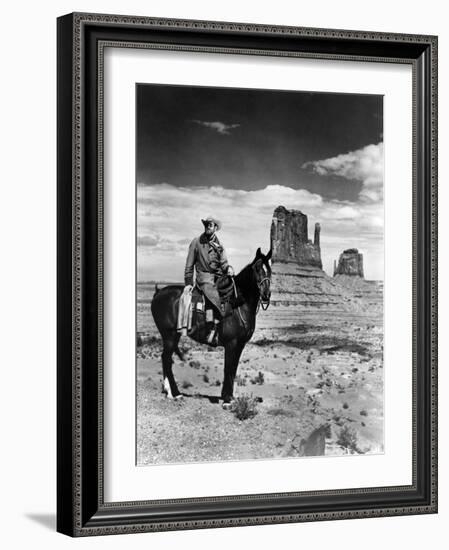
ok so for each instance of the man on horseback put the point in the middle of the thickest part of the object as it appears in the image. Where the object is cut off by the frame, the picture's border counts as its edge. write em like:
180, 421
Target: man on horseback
207, 259
251, 288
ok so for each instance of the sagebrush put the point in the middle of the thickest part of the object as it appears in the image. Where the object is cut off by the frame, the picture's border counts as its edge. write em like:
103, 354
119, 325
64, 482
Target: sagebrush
244, 407
348, 439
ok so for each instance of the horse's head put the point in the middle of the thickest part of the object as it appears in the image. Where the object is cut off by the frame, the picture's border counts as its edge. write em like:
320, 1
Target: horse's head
262, 271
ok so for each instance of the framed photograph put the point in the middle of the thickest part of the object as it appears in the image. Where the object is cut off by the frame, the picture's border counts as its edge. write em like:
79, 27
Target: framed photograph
247, 277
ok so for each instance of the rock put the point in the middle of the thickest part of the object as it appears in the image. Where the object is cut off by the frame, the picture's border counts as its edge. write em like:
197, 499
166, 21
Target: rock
349, 263
313, 445
298, 280
290, 240
296, 261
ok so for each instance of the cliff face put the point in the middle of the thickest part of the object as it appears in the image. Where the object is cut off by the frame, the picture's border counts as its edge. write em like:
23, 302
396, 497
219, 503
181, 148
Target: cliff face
298, 280
350, 263
290, 241
295, 259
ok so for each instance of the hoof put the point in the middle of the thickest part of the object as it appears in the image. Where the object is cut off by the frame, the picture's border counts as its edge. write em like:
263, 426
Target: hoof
167, 390
177, 397
227, 405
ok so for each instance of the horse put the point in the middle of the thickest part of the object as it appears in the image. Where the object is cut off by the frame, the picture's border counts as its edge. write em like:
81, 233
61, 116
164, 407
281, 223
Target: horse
234, 331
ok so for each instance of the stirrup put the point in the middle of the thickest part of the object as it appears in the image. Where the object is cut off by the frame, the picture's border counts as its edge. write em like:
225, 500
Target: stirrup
212, 339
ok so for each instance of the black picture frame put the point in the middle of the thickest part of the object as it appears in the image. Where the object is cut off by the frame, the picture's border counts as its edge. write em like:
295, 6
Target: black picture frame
81, 510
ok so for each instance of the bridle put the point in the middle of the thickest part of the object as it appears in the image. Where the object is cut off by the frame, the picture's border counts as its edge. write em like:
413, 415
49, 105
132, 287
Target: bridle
264, 304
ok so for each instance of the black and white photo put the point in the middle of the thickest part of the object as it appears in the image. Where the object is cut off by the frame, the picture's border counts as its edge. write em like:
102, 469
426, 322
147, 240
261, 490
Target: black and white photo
260, 270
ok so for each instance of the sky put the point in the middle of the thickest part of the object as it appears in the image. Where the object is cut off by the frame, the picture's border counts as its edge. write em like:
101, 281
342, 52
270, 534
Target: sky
237, 154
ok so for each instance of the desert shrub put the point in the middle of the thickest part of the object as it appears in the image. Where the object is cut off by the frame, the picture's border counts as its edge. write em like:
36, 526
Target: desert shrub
364, 412
337, 419
259, 379
186, 384
347, 438
345, 405
205, 378
244, 407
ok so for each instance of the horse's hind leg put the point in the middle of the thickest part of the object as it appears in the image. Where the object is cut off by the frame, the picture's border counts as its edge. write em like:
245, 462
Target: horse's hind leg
178, 351
170, 345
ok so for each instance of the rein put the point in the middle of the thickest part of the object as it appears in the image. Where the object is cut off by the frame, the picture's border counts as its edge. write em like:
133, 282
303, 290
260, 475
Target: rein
238, 307
260, 303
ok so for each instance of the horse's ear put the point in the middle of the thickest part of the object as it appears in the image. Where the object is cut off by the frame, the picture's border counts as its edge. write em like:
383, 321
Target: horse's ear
258, 255
268, 256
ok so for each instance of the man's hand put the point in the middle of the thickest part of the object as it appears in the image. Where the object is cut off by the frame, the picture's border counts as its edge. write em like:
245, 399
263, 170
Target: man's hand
230, 271
188, 288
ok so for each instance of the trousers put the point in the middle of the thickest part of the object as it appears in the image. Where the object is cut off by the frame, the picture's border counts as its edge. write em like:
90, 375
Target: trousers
211, 293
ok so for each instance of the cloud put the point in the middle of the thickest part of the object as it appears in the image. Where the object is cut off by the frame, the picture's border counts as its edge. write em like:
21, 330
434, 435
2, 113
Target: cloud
148, 240
219, 127
169, 217
365, 165
340, 211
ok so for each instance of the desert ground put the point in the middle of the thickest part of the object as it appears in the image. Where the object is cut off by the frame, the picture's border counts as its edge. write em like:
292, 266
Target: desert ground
312, 381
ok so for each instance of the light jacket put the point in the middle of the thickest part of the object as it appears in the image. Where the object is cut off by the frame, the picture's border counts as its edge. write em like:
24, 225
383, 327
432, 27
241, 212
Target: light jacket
207, 258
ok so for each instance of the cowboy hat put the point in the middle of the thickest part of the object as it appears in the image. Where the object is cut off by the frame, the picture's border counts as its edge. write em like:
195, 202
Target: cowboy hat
213, 220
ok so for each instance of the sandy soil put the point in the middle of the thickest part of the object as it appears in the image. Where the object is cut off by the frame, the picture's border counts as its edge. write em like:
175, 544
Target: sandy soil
314, 369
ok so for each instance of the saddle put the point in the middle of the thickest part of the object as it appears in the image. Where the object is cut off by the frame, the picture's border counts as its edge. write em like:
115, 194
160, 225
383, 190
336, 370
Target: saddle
192, 314
227, 292
197, 314
225, 287
200, 316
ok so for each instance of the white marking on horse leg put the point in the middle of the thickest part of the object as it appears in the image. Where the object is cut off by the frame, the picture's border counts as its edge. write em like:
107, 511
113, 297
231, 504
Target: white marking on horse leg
228, 406
167, 388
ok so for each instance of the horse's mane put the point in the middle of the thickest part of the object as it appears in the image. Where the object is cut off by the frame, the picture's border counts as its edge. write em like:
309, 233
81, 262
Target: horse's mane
245, 280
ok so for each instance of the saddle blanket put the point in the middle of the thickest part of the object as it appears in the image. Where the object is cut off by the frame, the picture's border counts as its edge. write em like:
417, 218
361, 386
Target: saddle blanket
191, 311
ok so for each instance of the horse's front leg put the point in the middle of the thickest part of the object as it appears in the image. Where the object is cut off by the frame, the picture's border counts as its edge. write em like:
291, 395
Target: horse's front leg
233, 351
